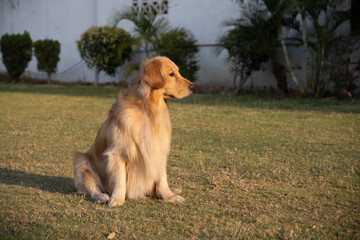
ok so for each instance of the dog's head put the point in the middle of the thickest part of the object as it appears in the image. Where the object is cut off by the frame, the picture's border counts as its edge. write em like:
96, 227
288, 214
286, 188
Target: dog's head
162, 75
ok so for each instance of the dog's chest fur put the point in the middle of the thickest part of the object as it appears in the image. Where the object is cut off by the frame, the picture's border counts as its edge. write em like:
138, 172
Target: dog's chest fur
147, 150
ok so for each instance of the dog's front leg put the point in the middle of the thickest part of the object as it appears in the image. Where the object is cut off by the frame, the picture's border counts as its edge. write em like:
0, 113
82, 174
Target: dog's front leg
117, 176
164, 192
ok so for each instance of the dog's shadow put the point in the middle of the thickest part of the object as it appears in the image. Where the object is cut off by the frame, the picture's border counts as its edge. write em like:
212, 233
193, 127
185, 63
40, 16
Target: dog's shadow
51, 184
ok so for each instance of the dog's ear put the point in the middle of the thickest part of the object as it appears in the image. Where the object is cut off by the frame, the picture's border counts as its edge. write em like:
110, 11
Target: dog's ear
152, 75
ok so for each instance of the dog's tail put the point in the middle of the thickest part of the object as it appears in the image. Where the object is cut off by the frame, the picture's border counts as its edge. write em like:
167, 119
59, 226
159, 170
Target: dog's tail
80, 165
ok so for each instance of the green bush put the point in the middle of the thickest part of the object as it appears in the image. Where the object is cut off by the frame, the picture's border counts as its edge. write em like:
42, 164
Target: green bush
147, 27
99, 47
343, 79
16, 50
180, 46
339, 67
47, 54
243, 52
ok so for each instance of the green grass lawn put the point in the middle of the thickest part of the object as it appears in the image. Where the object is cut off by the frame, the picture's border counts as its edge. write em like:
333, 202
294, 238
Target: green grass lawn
249, 167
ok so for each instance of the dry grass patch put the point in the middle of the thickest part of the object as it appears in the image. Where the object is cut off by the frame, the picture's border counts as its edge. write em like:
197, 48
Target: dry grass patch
249, 167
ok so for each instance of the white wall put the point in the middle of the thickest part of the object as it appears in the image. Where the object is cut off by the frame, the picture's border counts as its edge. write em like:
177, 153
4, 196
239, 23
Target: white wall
53, 19
65, 20
205, 19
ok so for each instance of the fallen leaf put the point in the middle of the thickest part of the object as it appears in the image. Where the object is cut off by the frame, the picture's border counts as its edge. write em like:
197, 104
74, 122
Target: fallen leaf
111, 235
313, 227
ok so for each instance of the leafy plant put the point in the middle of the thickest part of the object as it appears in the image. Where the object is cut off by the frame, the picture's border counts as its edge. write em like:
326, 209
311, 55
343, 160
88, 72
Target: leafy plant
242, 54
47, 54
180, 46
16, 50
344, 83
319, 41
282, 14
341, 74
99, 48
257, 34
147, 28
326, 18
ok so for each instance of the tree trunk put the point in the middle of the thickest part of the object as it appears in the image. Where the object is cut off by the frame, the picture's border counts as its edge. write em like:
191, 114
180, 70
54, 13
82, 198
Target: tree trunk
288, 63
279, 72
97, 76
243, 79
309, 76
234, 80
319, 86
48, 78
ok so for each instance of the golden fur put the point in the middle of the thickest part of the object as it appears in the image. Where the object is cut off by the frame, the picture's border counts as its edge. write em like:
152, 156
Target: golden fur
128, 157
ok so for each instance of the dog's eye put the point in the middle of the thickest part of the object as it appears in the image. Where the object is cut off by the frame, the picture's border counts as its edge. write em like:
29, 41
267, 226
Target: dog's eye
172, 74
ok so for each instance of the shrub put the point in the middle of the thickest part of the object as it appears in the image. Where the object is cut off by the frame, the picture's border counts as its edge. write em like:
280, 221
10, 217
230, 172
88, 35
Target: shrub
343, 80
180, 46
47, 54
147, 27
16, 50
243, 56
99, 47
328, 48
340, 75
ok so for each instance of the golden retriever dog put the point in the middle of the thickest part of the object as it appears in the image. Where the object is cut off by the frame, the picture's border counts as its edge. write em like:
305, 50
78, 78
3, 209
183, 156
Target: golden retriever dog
128, 157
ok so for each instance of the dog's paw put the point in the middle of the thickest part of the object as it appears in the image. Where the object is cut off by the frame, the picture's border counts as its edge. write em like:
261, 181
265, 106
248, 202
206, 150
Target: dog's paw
113, 202
102, 198
176, 191
175, 198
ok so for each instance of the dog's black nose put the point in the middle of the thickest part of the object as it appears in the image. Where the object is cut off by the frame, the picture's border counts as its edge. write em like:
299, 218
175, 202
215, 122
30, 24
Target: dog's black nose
192, 87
